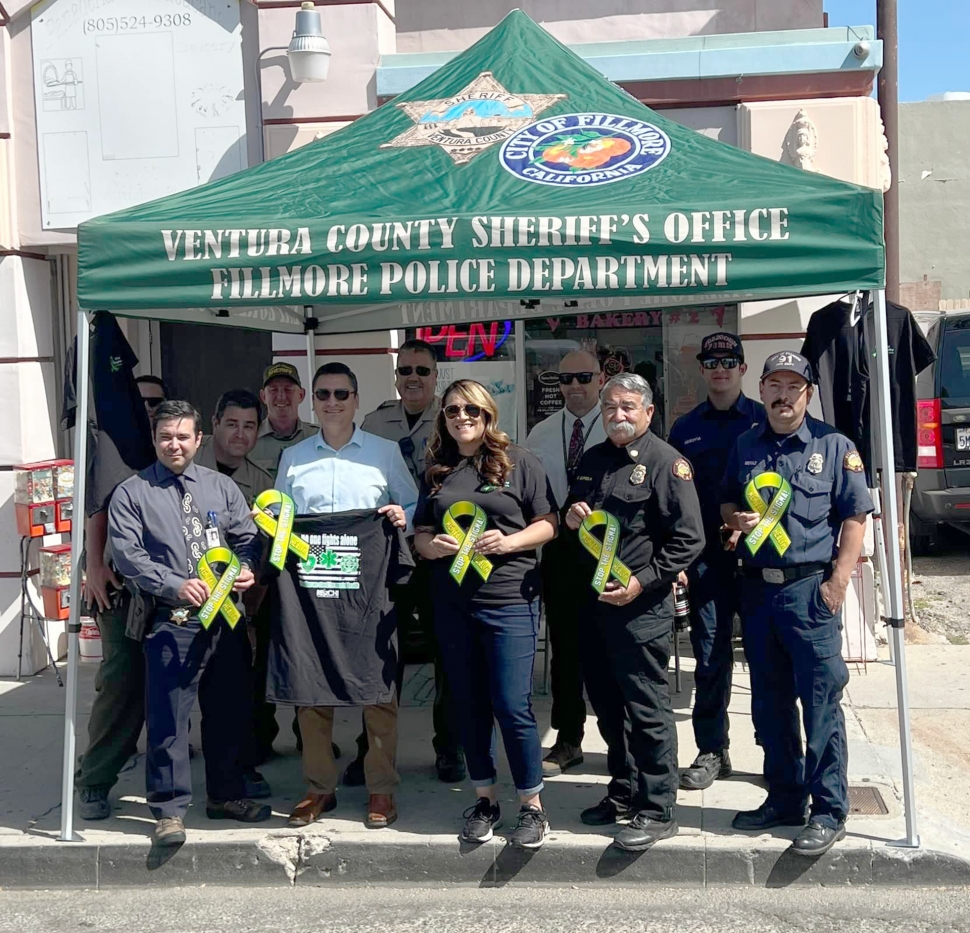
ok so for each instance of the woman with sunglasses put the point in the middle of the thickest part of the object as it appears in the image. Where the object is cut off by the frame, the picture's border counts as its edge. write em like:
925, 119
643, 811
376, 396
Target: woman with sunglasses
485, 506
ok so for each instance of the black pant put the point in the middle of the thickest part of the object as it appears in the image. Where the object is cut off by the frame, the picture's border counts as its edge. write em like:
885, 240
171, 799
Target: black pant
417, 644
259, 744
182, 662
625, 656
562, 596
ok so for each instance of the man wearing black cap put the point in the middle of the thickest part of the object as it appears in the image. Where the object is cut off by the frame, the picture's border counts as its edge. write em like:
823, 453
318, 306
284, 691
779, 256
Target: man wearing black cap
282, 394
705, 437
795, 488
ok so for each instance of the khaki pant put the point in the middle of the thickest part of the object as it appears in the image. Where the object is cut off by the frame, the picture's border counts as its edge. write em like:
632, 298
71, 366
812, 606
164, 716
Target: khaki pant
319, 767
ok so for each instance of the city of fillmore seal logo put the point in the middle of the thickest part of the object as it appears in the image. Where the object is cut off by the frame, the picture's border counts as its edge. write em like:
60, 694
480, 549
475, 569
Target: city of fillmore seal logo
478, 116
583, 149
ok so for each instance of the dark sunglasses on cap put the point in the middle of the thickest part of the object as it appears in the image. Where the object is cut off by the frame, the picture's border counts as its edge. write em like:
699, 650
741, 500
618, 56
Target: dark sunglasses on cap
341, 395
728, 362
153, 402
454, 411
407, 370
585, 379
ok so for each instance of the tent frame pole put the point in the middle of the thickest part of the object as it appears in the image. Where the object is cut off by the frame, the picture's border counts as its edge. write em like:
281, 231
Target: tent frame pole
310, 327
893, 578
82, 383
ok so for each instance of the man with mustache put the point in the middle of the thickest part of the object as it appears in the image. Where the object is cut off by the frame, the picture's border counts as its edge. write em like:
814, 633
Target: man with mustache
654, 523
795, 489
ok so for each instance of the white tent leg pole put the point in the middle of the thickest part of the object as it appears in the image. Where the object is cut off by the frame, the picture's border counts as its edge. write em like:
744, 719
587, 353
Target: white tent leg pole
893, 580
77, 546
311, 354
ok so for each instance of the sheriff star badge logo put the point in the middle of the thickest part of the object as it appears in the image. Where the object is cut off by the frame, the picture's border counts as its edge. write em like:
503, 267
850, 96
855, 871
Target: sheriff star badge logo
478, 116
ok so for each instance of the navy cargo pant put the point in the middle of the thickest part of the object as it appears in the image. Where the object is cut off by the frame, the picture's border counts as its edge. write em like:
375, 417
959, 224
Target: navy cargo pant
713, 601
183, 662
793, 646
625, 654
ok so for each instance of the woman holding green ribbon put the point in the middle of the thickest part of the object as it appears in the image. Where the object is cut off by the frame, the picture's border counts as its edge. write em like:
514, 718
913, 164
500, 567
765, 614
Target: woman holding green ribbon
484, 508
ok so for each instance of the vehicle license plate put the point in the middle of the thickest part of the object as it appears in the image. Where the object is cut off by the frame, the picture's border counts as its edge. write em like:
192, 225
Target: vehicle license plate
963, 438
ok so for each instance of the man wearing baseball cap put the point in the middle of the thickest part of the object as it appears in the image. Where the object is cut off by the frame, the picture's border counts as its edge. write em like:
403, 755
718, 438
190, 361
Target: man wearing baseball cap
282, 394
705, 437
795, 489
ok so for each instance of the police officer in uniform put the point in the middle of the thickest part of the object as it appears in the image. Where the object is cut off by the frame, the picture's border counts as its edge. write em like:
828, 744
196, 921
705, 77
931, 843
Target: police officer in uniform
409, 421
626, 631
796, 490
705, 437
160, 522
282, 393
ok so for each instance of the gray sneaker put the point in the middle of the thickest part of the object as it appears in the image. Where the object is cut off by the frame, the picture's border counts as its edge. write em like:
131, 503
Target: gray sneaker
93, 803
169, 831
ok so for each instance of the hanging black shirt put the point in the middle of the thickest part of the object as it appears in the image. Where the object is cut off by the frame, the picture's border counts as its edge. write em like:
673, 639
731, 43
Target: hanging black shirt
526, 495
839, 345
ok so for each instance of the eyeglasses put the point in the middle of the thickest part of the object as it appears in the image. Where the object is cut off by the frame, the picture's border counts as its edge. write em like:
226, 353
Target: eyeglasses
585, 379
454, 411
341, 395
727, 362
153, 402
407, 370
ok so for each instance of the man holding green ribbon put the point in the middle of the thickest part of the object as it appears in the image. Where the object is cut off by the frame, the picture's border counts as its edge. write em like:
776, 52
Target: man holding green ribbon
796, 490
637, 524
183, 536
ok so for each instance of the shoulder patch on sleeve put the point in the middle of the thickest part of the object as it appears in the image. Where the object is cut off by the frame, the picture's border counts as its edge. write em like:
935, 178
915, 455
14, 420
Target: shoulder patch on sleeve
852, 461
681, 469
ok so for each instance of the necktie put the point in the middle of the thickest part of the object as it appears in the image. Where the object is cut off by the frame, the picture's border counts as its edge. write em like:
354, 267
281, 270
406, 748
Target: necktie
575, 449
192, 528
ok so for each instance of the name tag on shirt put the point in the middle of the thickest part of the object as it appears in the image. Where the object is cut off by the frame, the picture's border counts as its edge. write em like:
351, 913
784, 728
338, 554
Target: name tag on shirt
211, 537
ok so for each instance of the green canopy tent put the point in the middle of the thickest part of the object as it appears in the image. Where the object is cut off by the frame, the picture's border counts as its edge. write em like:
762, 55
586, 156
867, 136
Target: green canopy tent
515, 181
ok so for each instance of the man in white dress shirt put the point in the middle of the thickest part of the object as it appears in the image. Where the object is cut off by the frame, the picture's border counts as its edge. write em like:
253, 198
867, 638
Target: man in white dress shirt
559, 442
339, 469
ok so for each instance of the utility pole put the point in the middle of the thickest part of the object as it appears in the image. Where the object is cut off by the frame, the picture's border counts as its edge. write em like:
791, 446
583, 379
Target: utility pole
888, 91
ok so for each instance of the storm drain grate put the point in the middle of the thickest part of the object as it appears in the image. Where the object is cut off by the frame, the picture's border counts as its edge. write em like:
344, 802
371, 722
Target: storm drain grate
866, 801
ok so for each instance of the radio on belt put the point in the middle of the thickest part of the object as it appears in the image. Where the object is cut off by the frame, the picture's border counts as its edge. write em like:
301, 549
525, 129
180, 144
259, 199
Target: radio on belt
44, 497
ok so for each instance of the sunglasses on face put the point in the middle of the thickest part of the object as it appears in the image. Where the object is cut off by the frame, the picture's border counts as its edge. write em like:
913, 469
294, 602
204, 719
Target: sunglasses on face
566, 379
727, 362
341, 395
454, 411
407, 370
153, 402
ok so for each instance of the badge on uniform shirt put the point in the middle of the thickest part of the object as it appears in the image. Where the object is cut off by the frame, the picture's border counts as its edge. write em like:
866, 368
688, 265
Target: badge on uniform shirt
638, 475
815, 463
681, 469
852, 461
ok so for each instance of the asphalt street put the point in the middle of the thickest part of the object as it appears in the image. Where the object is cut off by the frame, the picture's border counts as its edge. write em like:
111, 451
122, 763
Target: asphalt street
631, 909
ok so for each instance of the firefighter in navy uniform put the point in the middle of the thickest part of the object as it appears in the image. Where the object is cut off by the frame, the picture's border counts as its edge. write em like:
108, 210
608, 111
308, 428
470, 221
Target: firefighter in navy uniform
626, 631
705, 437
796, 489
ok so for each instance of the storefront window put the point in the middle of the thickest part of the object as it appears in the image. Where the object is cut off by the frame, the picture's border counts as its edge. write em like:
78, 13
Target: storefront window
660, 345
484, 352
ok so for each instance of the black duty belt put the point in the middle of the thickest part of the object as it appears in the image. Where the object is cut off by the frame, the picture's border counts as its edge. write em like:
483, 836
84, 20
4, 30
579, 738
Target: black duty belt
782, 575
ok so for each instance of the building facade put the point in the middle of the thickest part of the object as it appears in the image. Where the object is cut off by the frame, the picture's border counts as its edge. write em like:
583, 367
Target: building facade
109, 103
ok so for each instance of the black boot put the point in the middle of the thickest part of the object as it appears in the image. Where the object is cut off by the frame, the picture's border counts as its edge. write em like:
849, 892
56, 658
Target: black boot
706, 769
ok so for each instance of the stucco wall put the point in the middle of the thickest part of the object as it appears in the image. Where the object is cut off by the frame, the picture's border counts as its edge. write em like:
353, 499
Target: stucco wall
934, 194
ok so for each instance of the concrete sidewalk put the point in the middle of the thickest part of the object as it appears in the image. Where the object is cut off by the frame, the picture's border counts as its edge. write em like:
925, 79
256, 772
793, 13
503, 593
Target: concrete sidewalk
422, 845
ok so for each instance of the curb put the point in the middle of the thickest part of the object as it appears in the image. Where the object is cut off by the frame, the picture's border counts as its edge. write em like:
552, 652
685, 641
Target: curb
318, 859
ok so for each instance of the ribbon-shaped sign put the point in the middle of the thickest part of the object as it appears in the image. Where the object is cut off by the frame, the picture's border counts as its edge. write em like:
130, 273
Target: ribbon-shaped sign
770, 525
466, 557
219, 587
279, 529
607, 563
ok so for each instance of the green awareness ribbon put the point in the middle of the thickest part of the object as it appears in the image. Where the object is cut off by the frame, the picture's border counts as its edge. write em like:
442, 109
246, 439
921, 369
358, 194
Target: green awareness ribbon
219, 587
280, 529
607, 563
770, 525
466, 557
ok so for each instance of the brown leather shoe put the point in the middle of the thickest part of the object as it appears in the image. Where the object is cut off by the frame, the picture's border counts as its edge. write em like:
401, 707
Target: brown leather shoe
381, 811
311, 808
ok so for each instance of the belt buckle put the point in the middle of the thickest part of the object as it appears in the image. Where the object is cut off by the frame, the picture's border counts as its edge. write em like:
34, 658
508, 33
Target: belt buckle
772, 575
180, 616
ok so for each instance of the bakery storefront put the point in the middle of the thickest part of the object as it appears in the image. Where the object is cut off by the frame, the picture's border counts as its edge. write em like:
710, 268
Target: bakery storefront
519, 364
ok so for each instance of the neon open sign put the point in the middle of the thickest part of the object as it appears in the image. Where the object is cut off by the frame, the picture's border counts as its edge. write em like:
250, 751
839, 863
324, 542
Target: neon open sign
474, 342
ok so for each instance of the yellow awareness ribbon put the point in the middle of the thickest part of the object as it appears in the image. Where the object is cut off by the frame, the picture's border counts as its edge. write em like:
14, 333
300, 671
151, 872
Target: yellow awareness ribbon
280, 529
607, 563
770, 525
219, 587
466, 557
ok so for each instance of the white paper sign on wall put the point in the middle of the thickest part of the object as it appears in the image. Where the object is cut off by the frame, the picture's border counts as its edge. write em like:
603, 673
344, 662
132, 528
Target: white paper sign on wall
135, 99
